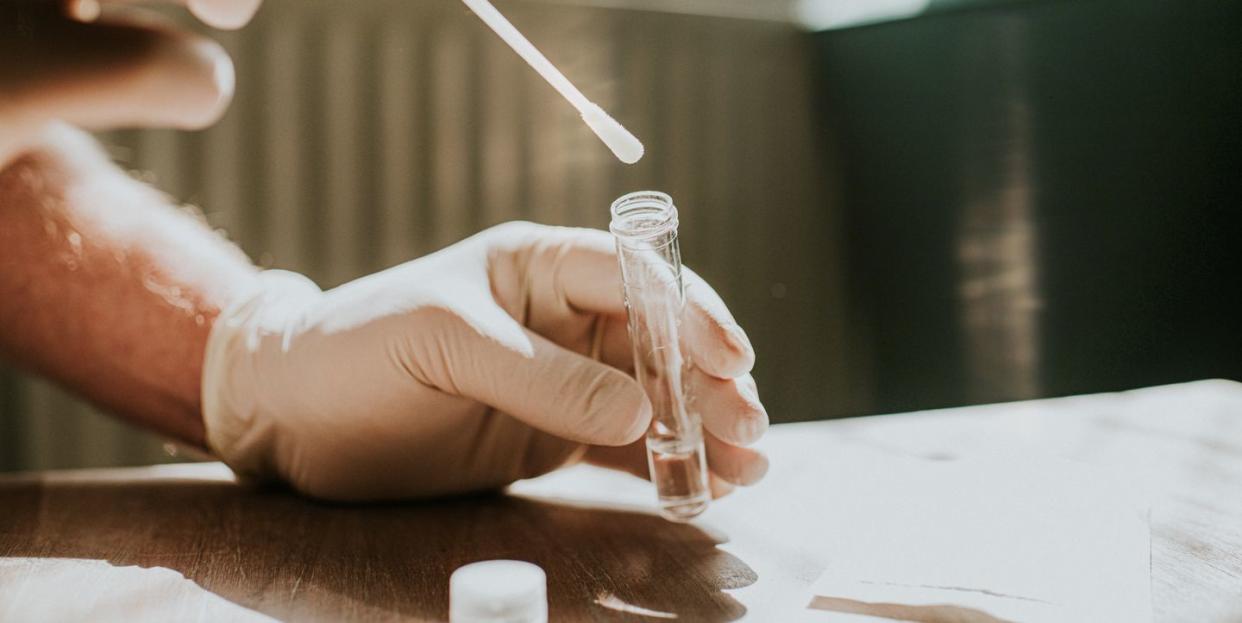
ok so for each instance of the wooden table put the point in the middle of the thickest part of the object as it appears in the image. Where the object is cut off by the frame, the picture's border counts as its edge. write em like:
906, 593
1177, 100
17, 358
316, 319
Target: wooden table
606, 556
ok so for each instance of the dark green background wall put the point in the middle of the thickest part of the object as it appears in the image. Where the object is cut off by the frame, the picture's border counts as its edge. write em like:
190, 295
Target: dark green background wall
1041, 198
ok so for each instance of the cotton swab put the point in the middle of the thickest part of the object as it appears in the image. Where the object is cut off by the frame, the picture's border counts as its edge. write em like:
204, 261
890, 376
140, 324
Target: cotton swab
624, 145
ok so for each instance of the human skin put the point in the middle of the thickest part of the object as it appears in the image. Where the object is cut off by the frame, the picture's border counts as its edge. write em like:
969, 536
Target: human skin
110, 288
106, 287
89, 258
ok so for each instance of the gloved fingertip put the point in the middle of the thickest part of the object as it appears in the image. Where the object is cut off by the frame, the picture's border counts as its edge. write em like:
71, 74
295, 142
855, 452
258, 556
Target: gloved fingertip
756, 471
224, 14
721, 349
642, 421
209, 94
753, 421
729, 353
85, 11
740, 343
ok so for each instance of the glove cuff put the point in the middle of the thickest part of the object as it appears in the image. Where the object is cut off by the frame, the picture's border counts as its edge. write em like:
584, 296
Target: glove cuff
257, 325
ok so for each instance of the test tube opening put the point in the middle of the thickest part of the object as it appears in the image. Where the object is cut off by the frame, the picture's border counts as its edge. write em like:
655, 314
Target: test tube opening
643, 216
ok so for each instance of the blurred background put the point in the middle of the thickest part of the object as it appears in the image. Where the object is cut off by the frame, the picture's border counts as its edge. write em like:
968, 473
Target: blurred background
908, 204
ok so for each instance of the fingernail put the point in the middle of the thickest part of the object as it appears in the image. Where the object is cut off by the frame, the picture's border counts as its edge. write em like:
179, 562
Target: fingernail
641, 422
737, 337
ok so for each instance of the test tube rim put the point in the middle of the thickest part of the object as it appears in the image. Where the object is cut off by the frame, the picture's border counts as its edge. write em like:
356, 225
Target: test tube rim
643, 200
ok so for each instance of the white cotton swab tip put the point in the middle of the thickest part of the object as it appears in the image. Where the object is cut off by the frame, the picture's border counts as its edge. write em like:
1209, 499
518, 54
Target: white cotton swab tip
624, 145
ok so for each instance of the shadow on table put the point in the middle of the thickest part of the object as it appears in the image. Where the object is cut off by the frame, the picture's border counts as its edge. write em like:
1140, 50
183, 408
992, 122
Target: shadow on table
290, 558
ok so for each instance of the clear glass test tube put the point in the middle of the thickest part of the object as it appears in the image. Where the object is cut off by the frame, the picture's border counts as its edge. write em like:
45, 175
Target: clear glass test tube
644, 225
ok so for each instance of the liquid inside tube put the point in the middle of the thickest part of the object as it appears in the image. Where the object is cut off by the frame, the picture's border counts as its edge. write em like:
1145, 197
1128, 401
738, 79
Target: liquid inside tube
679, 470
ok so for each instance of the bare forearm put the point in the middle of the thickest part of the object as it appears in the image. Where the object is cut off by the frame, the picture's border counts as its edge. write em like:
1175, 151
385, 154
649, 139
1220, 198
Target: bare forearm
107, 287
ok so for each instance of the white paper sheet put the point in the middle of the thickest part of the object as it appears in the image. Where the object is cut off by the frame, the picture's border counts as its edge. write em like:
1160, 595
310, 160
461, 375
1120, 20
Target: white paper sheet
1008, 538
52, 590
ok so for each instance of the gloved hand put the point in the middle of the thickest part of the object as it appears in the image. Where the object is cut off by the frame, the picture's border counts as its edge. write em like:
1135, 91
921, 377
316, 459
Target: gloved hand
502, 357
102, 64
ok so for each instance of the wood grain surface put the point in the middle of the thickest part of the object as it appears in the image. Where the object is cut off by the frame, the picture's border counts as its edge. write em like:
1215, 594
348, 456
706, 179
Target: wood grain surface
607, 557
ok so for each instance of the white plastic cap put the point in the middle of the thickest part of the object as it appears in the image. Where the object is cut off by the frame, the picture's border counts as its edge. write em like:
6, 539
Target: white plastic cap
498, 591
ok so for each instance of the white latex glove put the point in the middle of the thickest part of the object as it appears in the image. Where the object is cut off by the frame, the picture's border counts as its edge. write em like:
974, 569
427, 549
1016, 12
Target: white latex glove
500, 358
104, 63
